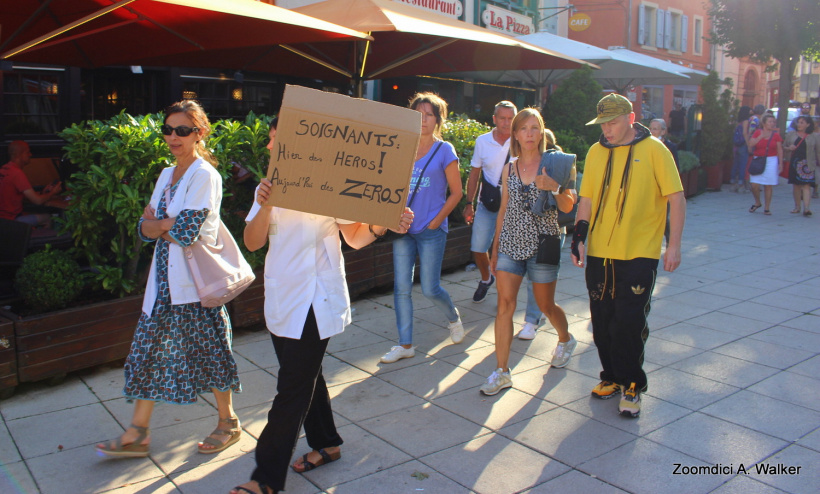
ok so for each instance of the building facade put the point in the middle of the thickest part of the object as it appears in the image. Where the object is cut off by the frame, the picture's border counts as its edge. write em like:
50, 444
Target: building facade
671, 30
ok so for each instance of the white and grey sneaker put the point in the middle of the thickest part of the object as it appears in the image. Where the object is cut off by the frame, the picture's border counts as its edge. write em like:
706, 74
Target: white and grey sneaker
497, 381
397, 353
528, 331
456, 329
563, 351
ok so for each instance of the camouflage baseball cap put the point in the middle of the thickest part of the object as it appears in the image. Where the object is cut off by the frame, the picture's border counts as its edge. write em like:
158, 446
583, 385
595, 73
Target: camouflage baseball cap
611, 106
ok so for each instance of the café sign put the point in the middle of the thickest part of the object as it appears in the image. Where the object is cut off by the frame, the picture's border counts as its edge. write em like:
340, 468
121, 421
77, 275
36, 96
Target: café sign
450, 8
506, 21
580, 22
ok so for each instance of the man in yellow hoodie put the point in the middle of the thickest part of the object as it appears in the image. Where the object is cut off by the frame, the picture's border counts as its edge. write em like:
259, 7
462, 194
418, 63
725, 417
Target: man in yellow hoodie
629, 178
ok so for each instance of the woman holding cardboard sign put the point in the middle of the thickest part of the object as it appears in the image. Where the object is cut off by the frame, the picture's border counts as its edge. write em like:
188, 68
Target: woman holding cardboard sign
435, 170
306, 302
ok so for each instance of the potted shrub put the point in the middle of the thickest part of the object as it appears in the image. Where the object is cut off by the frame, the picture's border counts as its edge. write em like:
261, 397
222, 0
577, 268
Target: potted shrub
52, 339
717, 127
689, 165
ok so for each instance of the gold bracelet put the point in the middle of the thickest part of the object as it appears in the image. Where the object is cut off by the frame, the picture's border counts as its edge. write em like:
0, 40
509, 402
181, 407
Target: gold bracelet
370, 227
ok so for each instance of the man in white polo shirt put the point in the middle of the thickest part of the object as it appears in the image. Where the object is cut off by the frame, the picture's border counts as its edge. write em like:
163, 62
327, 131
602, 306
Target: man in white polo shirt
492, 152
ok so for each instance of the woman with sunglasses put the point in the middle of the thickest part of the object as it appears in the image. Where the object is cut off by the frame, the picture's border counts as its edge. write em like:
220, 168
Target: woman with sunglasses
516, 243
435, 171
180, 349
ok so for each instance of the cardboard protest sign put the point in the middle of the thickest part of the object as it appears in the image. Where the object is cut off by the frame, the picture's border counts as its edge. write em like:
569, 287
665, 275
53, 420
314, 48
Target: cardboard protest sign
343, 157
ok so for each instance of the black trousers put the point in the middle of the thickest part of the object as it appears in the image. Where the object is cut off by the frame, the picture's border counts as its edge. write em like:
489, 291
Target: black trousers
619, 296
301, 399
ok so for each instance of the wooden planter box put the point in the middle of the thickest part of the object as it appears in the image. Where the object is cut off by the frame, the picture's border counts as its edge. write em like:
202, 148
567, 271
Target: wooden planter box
684, 180
694, 177
55, 343
8, 358
367, 268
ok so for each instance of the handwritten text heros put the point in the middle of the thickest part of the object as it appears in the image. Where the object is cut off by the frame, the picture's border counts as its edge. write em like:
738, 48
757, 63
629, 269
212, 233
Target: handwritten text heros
331, 144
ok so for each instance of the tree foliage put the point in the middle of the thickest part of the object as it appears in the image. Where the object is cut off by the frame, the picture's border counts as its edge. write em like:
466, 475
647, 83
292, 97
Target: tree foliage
573, 104
768, 31
717, 125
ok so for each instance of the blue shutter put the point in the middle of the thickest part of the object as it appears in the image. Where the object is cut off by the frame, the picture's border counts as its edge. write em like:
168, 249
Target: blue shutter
659, 31
668, 31
684, 33
641, 24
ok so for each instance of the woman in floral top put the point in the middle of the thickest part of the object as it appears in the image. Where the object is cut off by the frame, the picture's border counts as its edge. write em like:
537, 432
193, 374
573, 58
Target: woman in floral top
516, 243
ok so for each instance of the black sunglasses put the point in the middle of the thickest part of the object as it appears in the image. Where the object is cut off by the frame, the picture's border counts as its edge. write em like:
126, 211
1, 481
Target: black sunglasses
525, 205
182, 130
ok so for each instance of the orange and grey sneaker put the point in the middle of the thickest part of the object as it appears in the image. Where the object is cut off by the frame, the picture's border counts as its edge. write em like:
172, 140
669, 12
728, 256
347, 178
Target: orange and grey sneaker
630, 405
606, 390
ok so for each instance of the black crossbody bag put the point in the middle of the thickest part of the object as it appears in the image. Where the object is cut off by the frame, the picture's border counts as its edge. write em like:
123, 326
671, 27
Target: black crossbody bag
489, 194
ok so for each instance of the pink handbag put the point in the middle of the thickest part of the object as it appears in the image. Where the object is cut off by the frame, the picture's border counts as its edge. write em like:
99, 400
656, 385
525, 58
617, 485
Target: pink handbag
220, 272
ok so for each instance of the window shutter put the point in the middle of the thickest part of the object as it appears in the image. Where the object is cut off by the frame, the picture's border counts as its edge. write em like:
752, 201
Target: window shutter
659, 31
641, 24
668, 31
684, 33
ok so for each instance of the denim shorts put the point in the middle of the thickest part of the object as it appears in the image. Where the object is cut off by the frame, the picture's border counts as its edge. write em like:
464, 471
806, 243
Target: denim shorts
537, 273
483, 229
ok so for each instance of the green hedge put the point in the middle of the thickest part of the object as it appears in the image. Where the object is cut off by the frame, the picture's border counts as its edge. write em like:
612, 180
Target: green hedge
118, 163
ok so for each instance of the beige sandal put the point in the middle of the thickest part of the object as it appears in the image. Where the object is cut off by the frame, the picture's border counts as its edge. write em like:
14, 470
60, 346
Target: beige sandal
135, 449
233, 436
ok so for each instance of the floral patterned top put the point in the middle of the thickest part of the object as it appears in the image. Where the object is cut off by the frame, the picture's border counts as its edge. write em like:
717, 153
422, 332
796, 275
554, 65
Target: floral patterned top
520, 230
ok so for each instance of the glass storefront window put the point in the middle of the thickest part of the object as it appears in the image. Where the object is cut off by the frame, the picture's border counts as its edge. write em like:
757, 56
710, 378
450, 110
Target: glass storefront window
31, 103
652, 102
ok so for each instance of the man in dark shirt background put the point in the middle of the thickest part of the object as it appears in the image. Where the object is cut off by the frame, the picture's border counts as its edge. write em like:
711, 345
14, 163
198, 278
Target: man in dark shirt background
677, 121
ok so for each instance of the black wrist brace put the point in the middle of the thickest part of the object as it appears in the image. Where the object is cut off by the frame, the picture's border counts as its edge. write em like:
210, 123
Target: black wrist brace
579, 235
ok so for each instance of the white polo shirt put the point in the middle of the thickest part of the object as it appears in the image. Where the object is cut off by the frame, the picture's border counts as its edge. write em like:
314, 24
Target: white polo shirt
489, 155
303, 267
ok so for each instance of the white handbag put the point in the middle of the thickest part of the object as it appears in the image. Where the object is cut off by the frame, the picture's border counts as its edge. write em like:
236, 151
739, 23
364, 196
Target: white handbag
220, 272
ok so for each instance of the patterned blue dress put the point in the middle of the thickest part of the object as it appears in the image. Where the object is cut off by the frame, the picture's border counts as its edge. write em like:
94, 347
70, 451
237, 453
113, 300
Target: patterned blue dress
179, 350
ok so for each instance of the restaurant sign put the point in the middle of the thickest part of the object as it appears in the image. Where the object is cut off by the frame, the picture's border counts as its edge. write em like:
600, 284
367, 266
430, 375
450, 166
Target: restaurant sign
450, 8
506, 21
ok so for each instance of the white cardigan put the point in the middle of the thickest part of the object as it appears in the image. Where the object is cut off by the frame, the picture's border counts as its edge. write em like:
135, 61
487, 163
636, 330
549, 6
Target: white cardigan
199, 188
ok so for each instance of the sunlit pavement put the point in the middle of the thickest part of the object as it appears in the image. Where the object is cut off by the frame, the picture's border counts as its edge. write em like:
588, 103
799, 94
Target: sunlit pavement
733, 369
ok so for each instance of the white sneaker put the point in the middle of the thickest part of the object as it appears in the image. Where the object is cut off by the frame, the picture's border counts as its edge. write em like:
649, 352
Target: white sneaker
563, 351
456, 330
528, 331
497, 381
397, 353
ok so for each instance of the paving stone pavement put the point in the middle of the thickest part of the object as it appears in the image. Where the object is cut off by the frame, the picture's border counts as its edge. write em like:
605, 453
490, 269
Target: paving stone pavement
733, 372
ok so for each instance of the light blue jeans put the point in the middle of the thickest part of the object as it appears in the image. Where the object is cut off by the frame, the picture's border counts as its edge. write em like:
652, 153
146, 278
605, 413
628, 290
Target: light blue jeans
739, 166
429, 245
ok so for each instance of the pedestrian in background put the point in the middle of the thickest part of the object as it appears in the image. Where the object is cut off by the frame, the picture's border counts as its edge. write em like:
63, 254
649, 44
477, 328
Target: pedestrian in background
741, 149
180, 349
767, 142
434, 172
518, 234
805, 152
677, 120
628, 181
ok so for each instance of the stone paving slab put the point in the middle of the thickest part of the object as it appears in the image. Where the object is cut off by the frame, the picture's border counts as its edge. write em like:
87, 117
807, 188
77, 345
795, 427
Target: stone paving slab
733, 359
